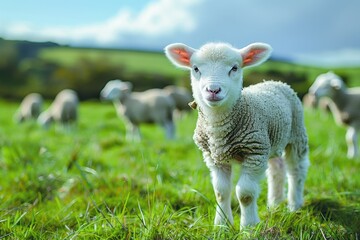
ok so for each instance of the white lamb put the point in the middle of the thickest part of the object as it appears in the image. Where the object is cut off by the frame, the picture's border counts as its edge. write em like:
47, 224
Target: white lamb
30, 107
344, 104
151, 106
64, 109
246, 126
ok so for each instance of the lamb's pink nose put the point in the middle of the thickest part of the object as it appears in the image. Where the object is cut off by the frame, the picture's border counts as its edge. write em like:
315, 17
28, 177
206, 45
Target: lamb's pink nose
214, 90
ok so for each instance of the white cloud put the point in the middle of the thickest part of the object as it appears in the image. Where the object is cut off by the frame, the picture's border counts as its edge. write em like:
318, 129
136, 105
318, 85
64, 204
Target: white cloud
157, 19
292, 28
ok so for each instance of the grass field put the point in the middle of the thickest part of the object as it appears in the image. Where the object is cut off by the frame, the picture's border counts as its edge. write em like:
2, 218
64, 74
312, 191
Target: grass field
92, 184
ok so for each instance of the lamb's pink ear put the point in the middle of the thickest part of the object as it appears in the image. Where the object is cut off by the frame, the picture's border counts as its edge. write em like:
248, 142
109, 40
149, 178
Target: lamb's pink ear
255, 54
179, 54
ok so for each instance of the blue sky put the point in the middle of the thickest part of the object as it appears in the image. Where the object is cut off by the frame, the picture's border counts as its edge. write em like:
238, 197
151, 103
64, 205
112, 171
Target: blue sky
321, 31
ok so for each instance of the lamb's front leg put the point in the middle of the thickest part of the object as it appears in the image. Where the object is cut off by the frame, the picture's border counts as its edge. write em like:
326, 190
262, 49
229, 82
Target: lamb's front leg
169, 129
247, 192
221, 181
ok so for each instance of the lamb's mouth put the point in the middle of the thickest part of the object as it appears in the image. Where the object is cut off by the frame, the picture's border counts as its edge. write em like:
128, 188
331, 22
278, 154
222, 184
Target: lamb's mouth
214, 98
214, 101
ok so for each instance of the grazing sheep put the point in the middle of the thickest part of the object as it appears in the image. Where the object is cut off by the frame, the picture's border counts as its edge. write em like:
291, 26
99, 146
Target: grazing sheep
247, 126
151, 106
30, 107
64, 109
344, 104
181, 97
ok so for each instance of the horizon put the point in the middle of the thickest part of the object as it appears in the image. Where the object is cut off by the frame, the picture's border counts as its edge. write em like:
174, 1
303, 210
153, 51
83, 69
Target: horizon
273, 57
324, 31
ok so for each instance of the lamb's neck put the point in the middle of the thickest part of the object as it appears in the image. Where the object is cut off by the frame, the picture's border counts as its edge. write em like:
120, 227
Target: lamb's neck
340, 99
218, 118
121, 103
119, 106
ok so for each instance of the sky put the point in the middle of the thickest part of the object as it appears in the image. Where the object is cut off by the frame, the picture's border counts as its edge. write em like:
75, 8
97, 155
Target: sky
320, 32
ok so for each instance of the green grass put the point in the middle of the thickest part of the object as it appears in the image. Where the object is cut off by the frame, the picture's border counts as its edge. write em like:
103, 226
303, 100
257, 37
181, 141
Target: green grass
92, 184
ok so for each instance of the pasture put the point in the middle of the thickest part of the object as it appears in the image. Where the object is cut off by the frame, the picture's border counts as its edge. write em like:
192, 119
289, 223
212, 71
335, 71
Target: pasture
92, 184
133, 61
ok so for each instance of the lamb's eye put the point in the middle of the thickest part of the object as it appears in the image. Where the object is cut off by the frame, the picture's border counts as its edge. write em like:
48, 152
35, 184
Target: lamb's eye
234, 68
196, 69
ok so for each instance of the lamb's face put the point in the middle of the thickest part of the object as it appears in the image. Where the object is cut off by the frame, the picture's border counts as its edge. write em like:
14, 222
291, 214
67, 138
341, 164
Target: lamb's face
326, 85
216, 69
113, 90
216, 75
45, 119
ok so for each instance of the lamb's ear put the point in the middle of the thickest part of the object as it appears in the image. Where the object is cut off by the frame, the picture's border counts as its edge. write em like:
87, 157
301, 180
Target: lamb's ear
336, 83
126, 86
255, 54
129, 86
179, 54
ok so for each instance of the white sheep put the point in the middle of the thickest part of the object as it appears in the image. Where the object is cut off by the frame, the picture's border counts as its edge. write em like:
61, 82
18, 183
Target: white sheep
64, 109
30, 107
247, 126
150, 106
344, 104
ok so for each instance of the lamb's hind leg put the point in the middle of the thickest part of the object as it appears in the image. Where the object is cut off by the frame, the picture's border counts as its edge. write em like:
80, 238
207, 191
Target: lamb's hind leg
297, 163
276, 181
132, 132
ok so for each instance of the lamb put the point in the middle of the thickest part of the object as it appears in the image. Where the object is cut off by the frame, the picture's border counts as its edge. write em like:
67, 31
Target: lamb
30, 107
150, 106
181, 97
245, 126
344, 104
64, 109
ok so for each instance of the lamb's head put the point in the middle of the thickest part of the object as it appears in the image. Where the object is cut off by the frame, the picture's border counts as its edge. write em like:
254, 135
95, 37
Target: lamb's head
216, 69
115, 90
45, 119
326, 85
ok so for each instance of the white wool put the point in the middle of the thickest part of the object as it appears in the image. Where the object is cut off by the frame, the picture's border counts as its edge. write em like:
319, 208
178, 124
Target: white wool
64, 109
30, 107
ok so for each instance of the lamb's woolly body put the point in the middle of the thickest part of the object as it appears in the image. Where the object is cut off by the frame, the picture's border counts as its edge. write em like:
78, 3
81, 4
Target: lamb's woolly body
250, 128
150, 106
64, 109
30, 107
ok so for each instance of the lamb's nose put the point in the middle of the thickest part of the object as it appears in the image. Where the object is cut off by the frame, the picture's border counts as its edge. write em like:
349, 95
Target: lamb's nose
214, 90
